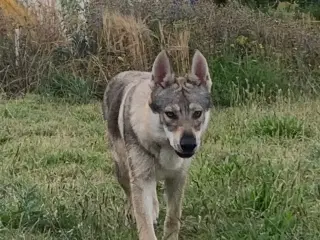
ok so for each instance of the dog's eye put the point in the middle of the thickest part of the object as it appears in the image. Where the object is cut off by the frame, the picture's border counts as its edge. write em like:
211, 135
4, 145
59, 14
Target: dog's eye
171, 115
197, 114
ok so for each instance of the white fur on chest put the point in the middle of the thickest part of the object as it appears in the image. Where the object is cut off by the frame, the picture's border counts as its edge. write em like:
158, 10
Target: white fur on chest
169, 163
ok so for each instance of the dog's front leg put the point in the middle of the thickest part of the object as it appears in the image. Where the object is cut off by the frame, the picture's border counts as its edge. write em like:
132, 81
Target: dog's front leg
142, 201
143, 186
174, 191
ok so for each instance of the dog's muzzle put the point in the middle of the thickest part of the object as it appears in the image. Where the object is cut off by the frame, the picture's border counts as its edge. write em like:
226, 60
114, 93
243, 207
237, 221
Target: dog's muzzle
188, 144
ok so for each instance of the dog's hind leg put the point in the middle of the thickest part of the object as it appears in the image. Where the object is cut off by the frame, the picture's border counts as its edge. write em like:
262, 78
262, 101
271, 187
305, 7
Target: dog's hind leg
123, 179
122, 175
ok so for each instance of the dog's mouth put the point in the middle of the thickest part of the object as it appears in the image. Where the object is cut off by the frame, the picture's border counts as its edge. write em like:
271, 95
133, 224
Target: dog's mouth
184, 154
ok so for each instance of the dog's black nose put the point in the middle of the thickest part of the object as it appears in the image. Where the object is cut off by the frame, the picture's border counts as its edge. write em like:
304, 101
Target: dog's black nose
188, 142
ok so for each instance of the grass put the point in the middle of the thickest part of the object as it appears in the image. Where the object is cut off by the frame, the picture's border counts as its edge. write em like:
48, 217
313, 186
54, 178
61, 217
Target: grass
258, 172
248, 182
68, 87
241, 80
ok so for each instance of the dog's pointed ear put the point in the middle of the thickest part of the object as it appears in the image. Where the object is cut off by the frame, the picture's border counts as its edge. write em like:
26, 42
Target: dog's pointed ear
161, 69
200, 69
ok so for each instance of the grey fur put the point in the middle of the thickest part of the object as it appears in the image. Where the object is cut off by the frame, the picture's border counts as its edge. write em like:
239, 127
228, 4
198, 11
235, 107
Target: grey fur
145, 142
183, 90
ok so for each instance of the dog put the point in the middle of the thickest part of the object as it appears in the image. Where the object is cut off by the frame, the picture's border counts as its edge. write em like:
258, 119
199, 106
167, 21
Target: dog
155, 123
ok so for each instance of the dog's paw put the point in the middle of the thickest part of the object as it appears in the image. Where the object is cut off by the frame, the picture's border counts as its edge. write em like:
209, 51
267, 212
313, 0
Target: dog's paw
155, 224
155, 211
129, 216
129, 221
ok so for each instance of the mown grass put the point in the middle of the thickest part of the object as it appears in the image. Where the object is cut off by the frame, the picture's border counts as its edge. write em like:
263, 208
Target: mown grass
253, 179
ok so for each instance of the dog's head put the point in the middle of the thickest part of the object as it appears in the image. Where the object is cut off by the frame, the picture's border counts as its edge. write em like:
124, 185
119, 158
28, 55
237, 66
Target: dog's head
182, 102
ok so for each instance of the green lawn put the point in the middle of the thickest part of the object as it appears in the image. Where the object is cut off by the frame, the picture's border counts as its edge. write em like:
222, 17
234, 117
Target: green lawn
257, 175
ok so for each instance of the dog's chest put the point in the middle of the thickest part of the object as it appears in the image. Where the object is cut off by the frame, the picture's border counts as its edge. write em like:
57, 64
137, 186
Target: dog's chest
169, 164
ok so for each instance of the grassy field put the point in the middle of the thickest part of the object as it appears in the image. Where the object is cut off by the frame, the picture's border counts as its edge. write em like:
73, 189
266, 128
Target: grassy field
257, 176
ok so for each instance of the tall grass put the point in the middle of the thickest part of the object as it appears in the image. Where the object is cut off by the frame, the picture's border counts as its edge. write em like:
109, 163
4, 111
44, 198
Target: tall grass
248, 51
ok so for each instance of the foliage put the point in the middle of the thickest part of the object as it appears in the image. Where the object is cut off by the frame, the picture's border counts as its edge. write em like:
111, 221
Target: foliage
68, 87
238, 80
250, 53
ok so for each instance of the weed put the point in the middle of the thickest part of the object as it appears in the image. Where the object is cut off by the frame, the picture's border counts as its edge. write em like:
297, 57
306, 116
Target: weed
280, 126
68, 87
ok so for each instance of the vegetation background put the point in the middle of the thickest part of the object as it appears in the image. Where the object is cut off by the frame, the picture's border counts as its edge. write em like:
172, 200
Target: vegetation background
257, 176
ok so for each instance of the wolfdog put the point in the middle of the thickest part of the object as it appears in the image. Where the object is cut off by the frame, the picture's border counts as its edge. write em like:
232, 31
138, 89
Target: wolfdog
155, 122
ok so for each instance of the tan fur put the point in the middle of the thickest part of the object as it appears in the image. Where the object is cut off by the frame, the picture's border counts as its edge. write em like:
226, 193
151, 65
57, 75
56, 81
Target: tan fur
140, 144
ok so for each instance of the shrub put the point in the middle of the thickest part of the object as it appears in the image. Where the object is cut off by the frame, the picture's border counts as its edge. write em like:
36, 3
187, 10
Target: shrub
69, 87
237, 80
118, 38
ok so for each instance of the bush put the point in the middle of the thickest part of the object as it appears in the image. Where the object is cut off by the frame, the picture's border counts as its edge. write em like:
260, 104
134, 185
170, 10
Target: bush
69, 87
249, 52
314, 9
237, 80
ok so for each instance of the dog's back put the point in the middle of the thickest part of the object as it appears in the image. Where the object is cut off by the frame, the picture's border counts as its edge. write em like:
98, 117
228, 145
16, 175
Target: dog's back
114, 96
115, 90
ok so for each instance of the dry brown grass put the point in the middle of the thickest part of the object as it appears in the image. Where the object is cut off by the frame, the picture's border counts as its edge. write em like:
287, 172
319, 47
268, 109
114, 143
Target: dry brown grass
289, 38
176, 41
22, 73
129, 38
